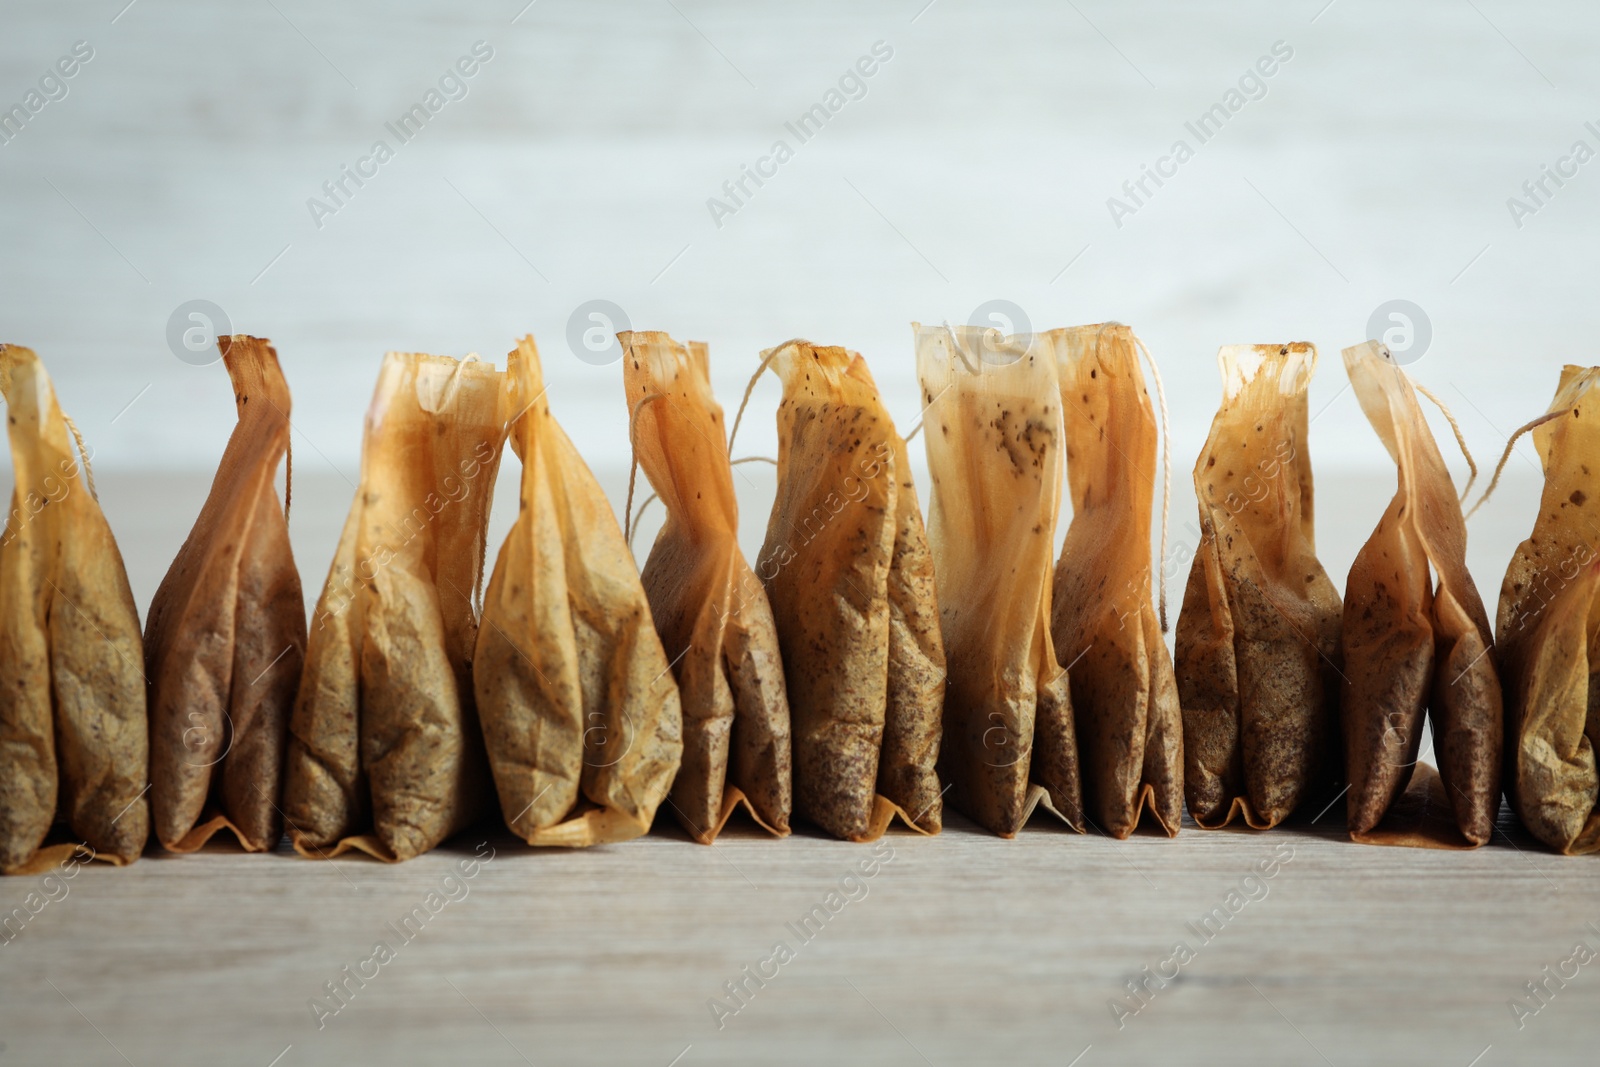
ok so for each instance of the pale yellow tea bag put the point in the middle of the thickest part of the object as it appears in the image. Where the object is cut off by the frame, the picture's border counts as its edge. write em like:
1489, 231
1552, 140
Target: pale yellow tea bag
73, 740
579, 707
385, 752
1124, 696
994, 435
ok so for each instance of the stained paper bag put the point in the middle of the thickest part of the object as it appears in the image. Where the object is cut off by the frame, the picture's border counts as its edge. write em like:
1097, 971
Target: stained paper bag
227, 634
994, 434
1124, 696
385, 753
1258, 634
73, 742
1548, 631
850, 578
579, 707
1412, 647
715, 623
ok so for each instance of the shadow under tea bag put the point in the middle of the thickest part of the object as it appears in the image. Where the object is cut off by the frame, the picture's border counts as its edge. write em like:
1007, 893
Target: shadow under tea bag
994, 440
385, 754
848, 571
226, 635
709, 608
73, 741
1548, 631
1258, 634
1124, 696
579, 708
1411, 647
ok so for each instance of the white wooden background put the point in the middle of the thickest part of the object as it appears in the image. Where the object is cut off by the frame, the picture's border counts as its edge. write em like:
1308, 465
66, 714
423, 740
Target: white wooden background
976, 167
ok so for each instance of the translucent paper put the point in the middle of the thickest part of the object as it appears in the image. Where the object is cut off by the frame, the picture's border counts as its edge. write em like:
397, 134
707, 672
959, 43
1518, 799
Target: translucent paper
993, 431
227, 634
1258, 636
73, 741
850, 578
709, 608
579, 707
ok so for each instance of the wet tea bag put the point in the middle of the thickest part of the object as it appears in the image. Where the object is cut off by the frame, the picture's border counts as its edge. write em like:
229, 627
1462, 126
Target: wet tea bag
1258, 633
1124, 696
993, 431
850, 578
385, 753
226, 635
73, 742
1548, 630
579, 707
712, 614
1410, 646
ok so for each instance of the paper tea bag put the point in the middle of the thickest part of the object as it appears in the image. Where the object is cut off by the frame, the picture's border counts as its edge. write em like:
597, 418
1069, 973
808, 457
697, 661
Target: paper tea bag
994, 439
1124, 696
848, 571
709, 608
73, 743
385, 753
226, 635
1409, 646
1258, 634
1548, 631
579, 707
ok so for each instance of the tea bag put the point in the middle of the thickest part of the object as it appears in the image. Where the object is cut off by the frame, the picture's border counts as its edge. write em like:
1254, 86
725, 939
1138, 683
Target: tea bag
226, 635
385, 753
1548, 631
1258, 634
73, 742
1408, 646
709, 608
1124, 696
994, 440
850, 578
580, 711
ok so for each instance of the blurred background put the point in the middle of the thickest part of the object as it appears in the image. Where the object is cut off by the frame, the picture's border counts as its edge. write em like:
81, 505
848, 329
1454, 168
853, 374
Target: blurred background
591, 172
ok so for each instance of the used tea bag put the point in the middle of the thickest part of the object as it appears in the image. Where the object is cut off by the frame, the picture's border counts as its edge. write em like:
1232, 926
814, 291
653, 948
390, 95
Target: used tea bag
1408, 646
1548, 631
709, 608
994, 441
385, 753
1258, 634
73, 742
848, 571
1124, 696
227, 634
580, 711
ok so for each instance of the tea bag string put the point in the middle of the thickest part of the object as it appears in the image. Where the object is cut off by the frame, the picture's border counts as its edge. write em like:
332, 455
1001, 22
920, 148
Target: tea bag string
766, 361
1506, 455
1166, 470
1461, 441
631, 529
633, 466
83, 453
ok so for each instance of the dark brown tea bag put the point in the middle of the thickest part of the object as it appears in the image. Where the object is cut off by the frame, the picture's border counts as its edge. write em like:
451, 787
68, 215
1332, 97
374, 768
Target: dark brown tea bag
848, 571
226, 635
385, 753
1548, 631
579, 708
1409, 646
1124, 696
73, 742
1258, 634
994, 438
712, 614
